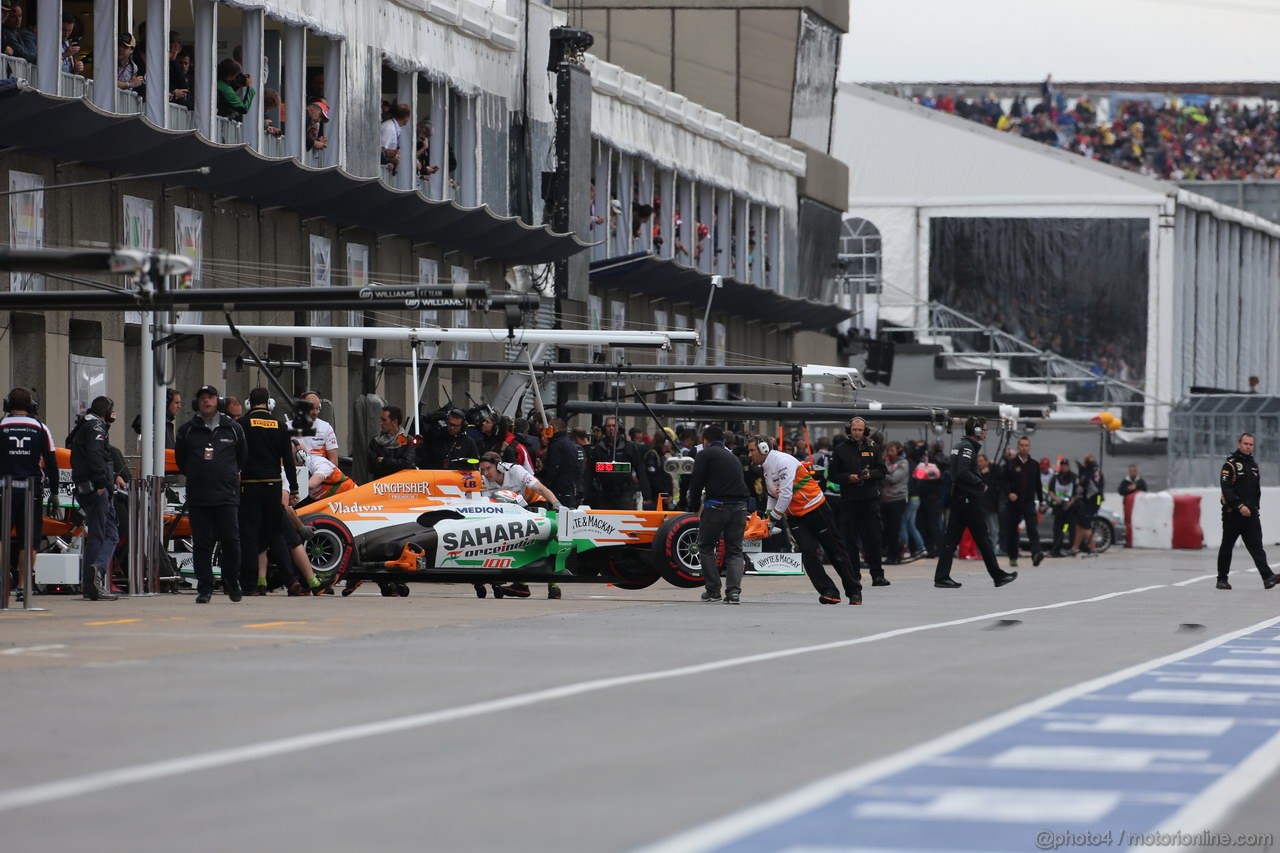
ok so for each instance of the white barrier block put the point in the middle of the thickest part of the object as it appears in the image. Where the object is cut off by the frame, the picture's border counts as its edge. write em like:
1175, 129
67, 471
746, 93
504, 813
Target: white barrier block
1153, 520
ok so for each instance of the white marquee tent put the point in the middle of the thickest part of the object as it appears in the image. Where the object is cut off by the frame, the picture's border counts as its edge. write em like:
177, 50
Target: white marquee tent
1213, 306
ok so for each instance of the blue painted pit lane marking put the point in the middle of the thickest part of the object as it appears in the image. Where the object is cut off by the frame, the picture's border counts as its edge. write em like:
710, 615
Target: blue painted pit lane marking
1169, 745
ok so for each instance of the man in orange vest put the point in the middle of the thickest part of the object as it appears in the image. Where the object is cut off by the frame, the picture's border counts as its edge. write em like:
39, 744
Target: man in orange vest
794, 492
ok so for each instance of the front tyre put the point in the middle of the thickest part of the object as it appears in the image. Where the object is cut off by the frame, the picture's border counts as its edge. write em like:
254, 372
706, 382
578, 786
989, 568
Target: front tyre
675, 551
331, 549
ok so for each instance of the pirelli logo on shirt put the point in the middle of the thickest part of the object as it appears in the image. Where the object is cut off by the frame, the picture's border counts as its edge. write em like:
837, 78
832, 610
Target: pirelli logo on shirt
264, 423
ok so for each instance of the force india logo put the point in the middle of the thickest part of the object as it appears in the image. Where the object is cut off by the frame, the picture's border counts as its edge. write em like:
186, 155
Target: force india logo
484, 536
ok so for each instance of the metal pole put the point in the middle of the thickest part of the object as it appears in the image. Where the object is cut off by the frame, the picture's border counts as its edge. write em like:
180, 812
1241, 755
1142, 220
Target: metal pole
28, 553
417, 400
977, 388
155, 542
6, 506
135, 539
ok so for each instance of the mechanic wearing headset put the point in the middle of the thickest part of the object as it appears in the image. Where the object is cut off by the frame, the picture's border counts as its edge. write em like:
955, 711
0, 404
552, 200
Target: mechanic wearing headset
512, 476
24, 444
94, 479
210, 451
794, 491
966, 509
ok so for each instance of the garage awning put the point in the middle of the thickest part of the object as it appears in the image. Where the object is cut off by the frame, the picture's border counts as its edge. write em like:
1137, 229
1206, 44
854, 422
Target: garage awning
75, 129
642, 273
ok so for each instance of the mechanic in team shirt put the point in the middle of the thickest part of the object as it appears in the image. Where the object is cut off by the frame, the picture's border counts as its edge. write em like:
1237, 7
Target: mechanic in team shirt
511, 476
25, 443
324, 480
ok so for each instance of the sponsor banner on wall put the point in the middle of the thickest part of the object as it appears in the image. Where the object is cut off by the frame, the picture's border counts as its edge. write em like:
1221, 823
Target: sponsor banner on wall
357, 276
26, 225
321, 276
188, 231
139, 233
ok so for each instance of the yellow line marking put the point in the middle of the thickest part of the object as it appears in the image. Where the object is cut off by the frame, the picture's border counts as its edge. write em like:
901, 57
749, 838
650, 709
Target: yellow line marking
114, 622
273, 624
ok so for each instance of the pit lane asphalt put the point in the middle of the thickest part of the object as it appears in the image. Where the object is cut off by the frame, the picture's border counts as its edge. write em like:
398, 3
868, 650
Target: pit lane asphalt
154, 724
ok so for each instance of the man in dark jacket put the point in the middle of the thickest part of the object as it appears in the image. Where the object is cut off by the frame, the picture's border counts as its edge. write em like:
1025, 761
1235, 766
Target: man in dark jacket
390, 450
210, 450
858, 468
563, 466
966, 510
1025, 491
268, 450
25, 444
617, 490
1241, 502
94, 477
447, 445
724, 514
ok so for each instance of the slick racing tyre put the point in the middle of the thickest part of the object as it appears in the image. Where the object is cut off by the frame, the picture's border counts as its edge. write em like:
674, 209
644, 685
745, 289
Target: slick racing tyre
331, 550
675, 551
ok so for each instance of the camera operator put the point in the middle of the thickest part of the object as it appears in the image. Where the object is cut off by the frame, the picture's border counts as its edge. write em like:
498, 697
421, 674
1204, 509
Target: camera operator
445, 443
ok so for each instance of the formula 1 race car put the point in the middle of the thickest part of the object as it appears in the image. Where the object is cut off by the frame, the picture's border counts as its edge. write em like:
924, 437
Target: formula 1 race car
440, 526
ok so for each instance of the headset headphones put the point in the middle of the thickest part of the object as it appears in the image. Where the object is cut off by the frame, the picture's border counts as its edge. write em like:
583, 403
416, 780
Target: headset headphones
31, 407
974, 425
761, 445
848, 427
206, 389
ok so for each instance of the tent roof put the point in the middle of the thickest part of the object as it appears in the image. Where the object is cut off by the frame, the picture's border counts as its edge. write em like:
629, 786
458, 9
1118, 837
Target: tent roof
900, 153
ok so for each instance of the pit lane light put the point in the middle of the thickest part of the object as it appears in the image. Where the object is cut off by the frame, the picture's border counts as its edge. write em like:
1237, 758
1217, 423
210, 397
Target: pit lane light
613, 467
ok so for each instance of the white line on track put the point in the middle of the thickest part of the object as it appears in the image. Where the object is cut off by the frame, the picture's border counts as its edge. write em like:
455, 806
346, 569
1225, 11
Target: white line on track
1217, 801
32, 795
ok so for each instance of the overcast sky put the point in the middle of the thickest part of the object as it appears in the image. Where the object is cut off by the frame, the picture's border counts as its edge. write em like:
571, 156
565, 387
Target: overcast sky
1174, 40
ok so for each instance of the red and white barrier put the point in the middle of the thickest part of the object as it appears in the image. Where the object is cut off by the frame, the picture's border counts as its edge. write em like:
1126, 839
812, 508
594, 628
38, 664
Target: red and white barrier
1170, 519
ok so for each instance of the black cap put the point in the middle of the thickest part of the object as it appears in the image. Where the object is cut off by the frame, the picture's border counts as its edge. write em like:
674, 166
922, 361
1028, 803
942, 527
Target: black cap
207, 389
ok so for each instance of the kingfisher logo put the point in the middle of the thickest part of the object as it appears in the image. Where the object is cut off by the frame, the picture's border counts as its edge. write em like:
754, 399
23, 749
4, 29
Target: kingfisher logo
402, 488
354, 508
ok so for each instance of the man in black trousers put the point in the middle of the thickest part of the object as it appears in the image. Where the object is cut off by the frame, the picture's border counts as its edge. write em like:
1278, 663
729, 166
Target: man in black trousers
210, 450
261, 514
1241, 500
1026, 493
858, 468
724, 514
966, 510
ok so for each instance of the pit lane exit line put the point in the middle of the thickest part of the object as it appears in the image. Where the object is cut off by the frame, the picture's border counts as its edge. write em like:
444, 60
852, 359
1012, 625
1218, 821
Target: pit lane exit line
77, 786
955, 806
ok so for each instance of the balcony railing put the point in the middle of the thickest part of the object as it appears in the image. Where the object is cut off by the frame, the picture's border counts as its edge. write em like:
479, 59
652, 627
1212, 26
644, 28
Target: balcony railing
229, 131
181, 118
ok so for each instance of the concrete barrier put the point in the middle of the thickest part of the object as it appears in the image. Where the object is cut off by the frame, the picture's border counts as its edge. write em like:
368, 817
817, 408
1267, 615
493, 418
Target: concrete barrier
1153, 517
1153, 520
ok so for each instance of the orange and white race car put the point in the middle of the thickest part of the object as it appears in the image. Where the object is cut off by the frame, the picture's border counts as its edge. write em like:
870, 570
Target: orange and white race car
441, 526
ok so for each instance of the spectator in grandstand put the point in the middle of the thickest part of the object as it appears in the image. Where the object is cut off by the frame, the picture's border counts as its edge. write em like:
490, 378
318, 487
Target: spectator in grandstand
231, 80
425, 169
18, 43
317, 118
390, 133
180, 89
127, 76
72, 30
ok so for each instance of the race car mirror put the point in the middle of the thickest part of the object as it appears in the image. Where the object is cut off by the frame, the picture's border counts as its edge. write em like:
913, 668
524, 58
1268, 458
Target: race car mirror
613, 467
506, 496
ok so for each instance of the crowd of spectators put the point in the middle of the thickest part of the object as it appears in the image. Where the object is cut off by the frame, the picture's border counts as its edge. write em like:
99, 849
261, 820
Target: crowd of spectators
1160, 138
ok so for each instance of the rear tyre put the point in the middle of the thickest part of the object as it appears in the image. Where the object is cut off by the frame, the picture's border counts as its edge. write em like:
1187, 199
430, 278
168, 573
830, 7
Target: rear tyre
402, 590
675, 551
